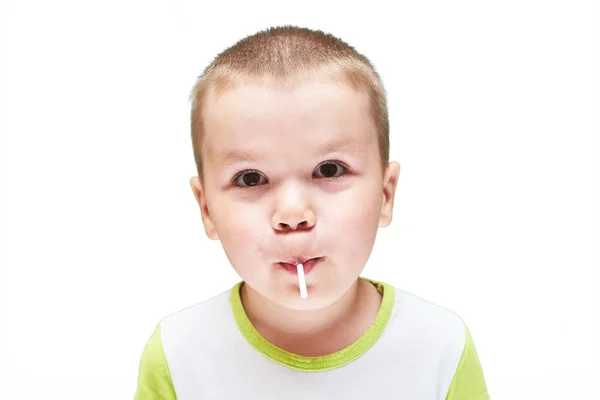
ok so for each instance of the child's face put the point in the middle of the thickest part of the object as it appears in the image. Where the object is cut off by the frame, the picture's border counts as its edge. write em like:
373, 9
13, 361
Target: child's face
294, 173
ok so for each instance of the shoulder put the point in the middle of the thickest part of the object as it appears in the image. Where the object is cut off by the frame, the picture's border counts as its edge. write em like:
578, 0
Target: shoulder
200, 320
154, 376
436, 331
431, 322
189, 331
442, 339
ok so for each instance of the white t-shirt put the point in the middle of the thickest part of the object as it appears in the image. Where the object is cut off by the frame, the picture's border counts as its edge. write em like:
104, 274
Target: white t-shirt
414, 350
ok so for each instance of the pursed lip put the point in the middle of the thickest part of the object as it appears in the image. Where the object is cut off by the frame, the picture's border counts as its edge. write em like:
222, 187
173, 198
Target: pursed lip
308, 263
297, 260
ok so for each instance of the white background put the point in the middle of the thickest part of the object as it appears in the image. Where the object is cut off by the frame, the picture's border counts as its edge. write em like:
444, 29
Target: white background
493, 111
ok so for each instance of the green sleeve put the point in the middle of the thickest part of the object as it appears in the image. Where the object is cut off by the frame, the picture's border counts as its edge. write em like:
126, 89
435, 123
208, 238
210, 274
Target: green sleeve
154, 378
468, 382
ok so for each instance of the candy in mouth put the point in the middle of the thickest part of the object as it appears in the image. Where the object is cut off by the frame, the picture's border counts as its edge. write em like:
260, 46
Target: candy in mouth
307, 265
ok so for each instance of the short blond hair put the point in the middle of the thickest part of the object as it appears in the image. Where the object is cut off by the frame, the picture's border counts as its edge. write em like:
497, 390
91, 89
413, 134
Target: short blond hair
283, 55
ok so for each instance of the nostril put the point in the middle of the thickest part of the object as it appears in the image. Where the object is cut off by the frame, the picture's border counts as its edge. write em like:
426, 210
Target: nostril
284, 227
288, 227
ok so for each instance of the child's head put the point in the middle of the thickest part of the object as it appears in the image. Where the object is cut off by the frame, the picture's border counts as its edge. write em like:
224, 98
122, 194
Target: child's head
291, 141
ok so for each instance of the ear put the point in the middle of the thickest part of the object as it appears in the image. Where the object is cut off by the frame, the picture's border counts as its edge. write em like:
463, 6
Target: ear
390, 181
200, 196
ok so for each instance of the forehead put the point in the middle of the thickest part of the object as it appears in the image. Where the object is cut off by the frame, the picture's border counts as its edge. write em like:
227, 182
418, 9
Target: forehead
310, 116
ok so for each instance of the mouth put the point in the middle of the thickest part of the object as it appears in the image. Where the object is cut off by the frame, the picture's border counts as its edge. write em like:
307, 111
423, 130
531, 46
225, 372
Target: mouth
307, 263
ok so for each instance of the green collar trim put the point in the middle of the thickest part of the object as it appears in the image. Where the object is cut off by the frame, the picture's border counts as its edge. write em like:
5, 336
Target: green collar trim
322, 363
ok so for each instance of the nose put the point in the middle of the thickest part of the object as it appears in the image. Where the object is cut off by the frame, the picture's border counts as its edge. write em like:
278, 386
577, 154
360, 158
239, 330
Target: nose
292, 211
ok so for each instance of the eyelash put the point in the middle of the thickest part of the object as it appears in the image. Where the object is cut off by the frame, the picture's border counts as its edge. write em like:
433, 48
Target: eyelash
344, 169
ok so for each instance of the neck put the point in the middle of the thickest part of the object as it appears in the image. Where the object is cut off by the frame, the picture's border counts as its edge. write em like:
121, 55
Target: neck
333, 327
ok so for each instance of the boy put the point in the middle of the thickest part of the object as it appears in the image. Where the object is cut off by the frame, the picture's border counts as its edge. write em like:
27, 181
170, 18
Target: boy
291, 141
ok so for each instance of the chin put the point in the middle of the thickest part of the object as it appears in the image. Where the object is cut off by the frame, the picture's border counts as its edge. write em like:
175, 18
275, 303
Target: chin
314, 301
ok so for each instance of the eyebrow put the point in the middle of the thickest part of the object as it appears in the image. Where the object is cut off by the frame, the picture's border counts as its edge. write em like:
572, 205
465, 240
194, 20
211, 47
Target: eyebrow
236, 156
337, 145
342, 145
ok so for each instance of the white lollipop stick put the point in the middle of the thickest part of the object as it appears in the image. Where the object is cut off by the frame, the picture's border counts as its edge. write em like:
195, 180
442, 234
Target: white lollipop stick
302, 281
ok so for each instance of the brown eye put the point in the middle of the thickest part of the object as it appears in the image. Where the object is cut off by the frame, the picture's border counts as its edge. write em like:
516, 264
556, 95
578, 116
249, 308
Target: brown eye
251, 179
330, 169
247, 179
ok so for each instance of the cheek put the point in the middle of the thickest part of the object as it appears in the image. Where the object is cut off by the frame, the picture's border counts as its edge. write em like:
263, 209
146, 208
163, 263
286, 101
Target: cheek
355, 222
359, 207
235, 225
240, 231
